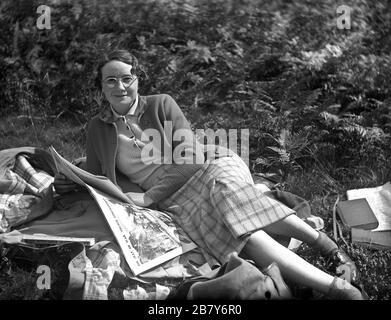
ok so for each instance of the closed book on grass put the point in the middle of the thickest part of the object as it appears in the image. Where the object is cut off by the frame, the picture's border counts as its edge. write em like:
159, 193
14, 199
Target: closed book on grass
372, 239
357, 214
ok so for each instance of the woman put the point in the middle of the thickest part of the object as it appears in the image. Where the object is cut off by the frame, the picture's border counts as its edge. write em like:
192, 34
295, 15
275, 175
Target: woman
215, 201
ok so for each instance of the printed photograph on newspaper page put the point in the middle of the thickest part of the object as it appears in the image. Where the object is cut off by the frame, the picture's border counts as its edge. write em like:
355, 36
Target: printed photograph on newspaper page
147, 237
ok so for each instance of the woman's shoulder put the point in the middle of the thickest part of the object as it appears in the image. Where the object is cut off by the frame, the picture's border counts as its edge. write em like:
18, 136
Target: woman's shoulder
160, 98
160, 103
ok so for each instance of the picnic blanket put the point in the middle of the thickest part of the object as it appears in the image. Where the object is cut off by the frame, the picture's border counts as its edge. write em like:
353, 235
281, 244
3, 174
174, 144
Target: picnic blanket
28, 205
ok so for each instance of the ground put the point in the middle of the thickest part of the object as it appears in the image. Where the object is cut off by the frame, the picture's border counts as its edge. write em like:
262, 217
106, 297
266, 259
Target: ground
19, 281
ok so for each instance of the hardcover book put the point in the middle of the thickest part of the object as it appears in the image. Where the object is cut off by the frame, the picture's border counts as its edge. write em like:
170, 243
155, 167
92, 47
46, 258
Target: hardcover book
379, 199
357, 213
372, 239
49, 239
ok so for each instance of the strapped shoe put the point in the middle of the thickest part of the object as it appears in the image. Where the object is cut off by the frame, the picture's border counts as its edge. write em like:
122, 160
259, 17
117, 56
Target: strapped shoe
341, 264
337, 259
340, 289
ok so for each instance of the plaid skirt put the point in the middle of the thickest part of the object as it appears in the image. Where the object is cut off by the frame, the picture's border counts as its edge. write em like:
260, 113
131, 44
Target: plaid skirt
220, 207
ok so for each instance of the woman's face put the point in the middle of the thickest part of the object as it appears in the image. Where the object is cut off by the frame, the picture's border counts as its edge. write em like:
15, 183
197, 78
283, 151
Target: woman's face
115, 77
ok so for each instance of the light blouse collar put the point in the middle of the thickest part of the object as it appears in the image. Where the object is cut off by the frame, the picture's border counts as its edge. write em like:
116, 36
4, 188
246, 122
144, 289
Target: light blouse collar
106, 114
131, 111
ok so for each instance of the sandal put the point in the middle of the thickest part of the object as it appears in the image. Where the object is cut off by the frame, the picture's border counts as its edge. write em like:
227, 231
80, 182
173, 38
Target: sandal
342, 265
340, 289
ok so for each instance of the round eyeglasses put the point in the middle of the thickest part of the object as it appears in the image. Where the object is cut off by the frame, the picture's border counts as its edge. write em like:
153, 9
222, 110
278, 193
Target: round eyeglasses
126, 81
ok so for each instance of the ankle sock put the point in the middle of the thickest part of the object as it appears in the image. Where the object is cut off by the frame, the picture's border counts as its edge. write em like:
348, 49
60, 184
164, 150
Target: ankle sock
340, 289
324, 244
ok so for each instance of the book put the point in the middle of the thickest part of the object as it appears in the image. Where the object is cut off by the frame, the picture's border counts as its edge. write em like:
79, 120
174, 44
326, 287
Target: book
37, 238
372, 239
379, 199
357, 214
147, 237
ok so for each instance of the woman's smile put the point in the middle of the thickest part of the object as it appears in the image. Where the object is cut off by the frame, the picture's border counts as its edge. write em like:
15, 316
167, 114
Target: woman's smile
120, 95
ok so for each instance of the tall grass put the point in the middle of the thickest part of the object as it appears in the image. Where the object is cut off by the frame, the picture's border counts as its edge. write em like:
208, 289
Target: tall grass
66, 136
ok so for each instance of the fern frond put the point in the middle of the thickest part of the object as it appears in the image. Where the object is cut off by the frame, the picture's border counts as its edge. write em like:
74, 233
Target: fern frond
276, 149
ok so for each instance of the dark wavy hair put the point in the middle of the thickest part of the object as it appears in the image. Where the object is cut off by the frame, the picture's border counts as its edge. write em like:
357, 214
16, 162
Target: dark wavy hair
123, 56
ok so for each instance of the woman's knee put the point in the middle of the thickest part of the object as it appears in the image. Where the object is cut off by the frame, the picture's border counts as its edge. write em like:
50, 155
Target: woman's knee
255, 242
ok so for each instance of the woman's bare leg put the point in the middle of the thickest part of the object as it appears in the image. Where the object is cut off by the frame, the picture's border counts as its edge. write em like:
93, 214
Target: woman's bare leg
293, 226
263, 250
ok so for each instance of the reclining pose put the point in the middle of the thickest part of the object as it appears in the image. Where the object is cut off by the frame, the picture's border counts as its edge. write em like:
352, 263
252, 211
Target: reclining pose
214, 200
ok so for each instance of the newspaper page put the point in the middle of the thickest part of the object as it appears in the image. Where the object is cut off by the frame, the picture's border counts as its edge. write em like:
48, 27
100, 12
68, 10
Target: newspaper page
141, 234
379, 199
146, 237
84, 178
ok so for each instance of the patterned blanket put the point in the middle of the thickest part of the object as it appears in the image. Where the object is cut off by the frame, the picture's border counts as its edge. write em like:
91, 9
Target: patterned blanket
27, 206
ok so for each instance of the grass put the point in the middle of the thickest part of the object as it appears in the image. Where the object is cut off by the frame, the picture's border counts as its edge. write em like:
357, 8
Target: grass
65, 136
19, 281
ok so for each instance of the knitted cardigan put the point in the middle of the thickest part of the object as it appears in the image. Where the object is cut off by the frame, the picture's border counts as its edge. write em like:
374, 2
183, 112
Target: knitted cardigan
152, 112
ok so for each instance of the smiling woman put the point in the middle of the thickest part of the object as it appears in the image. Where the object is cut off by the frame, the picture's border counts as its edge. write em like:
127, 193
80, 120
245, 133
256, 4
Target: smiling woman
119, 86
118, 81
215, 201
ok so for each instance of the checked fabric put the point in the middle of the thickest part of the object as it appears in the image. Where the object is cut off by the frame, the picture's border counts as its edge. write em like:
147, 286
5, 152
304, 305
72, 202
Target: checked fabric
220, 206
25, 192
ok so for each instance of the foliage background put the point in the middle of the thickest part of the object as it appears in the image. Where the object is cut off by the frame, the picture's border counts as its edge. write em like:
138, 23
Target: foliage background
316, 99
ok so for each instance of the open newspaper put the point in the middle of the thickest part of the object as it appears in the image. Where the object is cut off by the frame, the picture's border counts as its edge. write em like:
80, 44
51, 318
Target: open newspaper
146, 237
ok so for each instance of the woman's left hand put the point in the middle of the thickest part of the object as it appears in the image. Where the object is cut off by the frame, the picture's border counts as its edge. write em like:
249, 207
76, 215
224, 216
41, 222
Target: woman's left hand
140, 199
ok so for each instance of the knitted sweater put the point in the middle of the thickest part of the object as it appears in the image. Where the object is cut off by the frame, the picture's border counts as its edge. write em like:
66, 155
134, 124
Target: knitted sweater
151, 113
